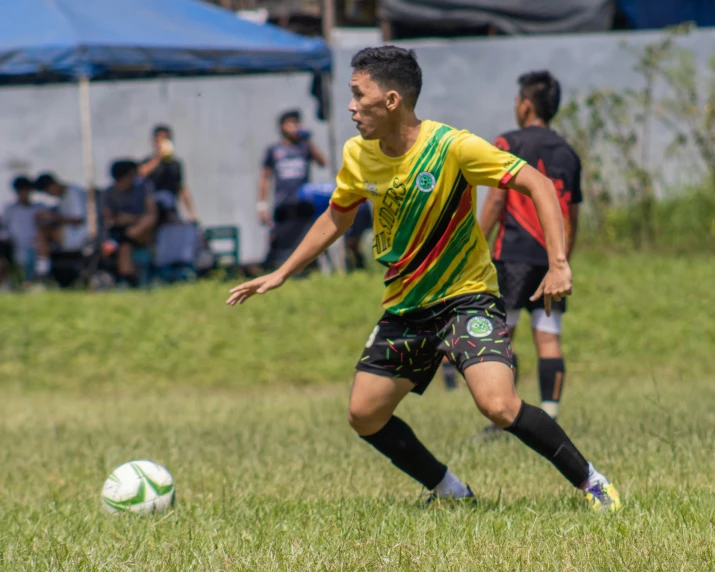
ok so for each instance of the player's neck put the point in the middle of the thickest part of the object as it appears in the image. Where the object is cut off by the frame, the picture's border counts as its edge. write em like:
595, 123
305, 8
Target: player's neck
401, 139
536, 122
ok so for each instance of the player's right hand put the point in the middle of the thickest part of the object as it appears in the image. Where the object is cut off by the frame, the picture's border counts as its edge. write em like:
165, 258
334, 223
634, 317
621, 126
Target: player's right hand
555, 286
261, 285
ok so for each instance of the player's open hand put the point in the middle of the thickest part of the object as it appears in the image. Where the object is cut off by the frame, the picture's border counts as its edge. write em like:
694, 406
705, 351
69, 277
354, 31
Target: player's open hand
555, 286
261, 285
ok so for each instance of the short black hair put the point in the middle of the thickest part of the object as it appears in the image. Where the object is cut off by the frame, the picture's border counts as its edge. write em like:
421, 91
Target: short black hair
290, 114
543, 91
393, 68
163, 129
122, 168
22, 183
45, 181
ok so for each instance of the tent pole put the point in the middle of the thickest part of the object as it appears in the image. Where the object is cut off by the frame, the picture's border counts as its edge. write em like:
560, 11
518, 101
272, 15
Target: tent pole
85, 114
338, 249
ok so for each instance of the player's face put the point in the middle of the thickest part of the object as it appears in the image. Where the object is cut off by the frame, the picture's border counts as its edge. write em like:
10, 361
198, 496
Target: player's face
369, 105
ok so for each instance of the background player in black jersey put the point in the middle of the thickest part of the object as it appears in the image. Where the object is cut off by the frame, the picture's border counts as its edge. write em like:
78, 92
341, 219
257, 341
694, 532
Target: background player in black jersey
519, 252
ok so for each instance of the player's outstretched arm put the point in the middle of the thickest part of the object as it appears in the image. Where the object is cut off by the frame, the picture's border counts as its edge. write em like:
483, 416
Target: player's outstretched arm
326, 230
557, 282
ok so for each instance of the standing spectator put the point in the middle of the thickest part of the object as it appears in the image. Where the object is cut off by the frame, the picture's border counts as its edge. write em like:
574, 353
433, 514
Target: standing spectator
166, 173
130, 217
20, 221
363, 223
288, 164
69, 218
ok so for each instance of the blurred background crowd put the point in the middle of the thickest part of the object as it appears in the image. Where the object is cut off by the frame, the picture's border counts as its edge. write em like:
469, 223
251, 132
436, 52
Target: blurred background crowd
217, 192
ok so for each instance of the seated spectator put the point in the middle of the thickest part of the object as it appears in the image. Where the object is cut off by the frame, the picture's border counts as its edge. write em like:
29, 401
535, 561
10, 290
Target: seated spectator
20, 222
68, 220
130, 217
166, 173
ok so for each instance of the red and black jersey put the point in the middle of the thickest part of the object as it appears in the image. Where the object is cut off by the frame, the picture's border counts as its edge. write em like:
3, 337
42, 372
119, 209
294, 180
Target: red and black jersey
520, 237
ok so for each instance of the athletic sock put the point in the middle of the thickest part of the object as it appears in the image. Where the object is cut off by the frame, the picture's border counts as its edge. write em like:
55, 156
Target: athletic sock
551, 381
399, 444
594, 478
541, 433
451, 487
515, 365
450, 375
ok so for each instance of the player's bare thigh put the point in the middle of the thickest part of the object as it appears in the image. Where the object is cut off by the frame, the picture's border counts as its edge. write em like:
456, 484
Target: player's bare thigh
373, 400
491, 384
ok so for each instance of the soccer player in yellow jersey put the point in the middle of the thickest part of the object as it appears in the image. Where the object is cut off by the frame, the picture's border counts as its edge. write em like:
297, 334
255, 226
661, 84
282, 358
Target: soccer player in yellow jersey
441, 296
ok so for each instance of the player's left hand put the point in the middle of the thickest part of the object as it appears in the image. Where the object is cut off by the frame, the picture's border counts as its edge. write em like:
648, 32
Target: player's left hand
555, 286
261, 285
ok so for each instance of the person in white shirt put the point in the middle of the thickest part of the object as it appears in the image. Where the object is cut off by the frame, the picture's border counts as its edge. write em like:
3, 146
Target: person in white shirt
69, 217
20, 226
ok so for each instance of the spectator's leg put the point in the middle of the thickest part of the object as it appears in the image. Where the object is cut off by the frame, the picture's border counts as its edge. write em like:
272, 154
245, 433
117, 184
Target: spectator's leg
5, 264
45, 236
125, 265
4, 274
355, 259
142, 232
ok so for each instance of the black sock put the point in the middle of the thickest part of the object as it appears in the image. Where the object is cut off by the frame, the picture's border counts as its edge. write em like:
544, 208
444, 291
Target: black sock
450, 375
399, 444
551, 382
515, 365
537, 430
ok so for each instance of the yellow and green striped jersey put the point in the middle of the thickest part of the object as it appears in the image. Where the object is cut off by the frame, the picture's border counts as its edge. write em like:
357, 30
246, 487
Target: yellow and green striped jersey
425, 226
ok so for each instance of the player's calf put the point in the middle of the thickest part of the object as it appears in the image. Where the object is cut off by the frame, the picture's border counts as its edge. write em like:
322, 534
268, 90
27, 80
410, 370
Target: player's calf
492, 387
372, 403
551, 365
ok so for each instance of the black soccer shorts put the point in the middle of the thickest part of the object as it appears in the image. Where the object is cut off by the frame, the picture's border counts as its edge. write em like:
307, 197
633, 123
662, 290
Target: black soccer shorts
468, 329
517, 283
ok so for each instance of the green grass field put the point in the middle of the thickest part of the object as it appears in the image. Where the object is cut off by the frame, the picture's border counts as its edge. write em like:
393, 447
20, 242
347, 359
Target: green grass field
246, 407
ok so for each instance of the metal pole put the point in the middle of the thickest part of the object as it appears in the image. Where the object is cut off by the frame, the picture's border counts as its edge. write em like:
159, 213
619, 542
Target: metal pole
85, 114
328, 19
337, 250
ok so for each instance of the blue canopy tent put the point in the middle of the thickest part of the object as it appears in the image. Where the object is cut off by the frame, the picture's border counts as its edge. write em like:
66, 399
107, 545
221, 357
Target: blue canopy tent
84, 40
69, 39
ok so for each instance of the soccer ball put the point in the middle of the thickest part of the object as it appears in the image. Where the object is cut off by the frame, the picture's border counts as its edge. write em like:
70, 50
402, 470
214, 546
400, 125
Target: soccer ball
142, 487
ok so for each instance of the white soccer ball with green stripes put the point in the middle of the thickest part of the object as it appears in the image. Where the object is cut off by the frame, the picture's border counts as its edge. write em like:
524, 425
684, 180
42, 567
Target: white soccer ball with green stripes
142, 487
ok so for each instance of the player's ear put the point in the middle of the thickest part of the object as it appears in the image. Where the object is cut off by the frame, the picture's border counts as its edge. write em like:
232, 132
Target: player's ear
392, 100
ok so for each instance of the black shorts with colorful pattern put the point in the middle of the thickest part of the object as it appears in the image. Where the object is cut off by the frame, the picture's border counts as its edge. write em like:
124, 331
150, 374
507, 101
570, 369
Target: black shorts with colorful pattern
468, 329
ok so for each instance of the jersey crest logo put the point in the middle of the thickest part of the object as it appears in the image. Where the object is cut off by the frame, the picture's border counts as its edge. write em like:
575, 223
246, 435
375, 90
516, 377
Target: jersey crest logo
426, 182
479, 327
371, 187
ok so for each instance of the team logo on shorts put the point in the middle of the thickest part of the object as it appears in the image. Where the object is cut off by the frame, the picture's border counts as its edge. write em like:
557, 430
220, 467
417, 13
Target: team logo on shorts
373, 335
426, 182
479, 327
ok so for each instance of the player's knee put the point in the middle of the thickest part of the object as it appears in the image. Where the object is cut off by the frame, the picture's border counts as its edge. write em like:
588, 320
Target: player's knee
363, 419
501, 410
